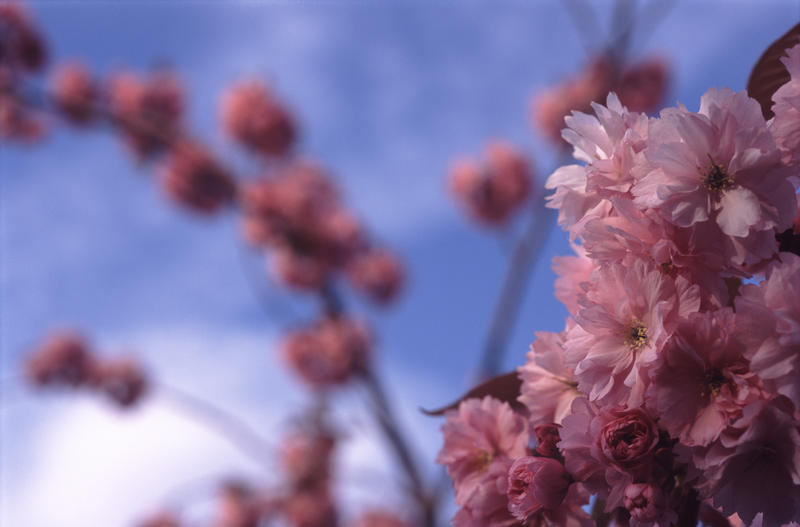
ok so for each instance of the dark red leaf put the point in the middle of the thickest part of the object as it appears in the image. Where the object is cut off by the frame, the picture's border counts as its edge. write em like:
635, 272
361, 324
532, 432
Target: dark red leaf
769, 73
504, 387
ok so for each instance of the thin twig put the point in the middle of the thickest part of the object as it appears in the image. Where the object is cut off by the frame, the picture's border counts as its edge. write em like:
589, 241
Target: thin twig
232, 428
387, 420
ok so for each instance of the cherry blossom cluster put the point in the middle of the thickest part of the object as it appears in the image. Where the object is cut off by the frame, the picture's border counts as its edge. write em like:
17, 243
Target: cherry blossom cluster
675, 386
640, 87
66, 360
22, 54
492, 191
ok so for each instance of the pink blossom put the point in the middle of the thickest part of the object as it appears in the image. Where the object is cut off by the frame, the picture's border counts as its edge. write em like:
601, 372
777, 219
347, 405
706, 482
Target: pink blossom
148, 110
698, 253
63, 359
122, 380
477, 435
642, 87
611, 143
785, 127
305, 457
377, 273
623, 323
329, 352
574, 274
252, 115
768, 319
719, 164
647, 504
535, 483
576, 93
22, 46
492, 191
487, 505
755, 466
608, 449
75, 93
702, 380
17, 120
194, 179
548, 385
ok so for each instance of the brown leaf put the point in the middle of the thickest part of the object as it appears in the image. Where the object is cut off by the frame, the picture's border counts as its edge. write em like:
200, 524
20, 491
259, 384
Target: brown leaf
505, 387
769, 73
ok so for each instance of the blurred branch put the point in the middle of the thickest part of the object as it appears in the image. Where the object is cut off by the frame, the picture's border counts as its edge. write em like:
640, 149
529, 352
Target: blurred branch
585, 20
235, 430
523, 257
387, 420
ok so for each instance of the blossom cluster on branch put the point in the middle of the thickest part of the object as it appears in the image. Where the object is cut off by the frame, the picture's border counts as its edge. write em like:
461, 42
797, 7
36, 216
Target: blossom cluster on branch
673, 391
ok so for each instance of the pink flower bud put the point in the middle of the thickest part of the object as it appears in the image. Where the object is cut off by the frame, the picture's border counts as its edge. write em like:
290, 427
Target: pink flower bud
63, 359
122, 380
645, 502
378, 274
194, 179
536, 483
493, 191
148, 111
75, 93
21, 46
253, 117
330, 352
629, 439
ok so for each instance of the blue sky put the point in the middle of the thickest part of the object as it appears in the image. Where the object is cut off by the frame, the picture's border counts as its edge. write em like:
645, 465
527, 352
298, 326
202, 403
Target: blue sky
387, 94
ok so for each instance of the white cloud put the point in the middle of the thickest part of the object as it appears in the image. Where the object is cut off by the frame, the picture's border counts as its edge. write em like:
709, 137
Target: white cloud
73, 461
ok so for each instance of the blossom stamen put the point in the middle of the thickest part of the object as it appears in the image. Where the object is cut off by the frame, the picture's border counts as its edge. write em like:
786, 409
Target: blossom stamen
636, 336
716, 179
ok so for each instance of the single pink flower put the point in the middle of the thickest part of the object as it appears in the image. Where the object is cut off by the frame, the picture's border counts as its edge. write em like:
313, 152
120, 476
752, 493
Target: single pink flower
768, 319
574, 276
548, 385
193, 178
252, 115
642, 87
622, 325
23, 47
493, 190
702, 381
535, 483
785, 127
377, 273
647, 504
122, 380
148, 111
328, 353
477, 435
75, 93
719, 164
755, 465
63, 359
606, 450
